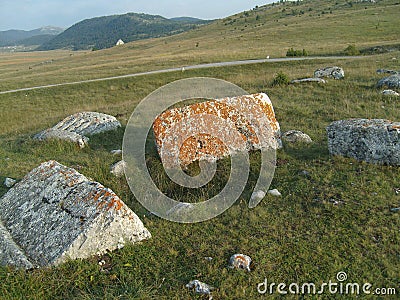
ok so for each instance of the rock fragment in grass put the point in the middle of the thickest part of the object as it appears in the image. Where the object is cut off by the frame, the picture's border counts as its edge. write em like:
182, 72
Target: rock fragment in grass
116, 152
118, 169
9, 182
390, 93
296, 136
371, 140
330, 72
392, 82
55, 213
200, 287
257, 196
307, 80
77, 127
240, 261
385, 71
275, 193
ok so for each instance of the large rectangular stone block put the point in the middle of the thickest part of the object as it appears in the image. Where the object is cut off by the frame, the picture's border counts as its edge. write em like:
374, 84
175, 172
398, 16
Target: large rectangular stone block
55, 213
371, 140
213, 129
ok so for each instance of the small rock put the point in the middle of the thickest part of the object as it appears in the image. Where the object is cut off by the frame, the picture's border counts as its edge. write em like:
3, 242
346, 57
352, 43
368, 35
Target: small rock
390, 93
330, 72
275, 193
392, 81
116, 152
117, 169
240, 261
200, 287
257, 196
305, 80
396, 209
208, 258
296, 136
384, 71
9, 182
305, 174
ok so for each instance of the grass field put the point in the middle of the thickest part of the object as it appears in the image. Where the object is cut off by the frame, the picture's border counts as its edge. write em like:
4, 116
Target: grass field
336, 219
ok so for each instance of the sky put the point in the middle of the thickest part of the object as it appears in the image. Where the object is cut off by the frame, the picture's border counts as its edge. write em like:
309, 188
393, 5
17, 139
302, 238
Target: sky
32, 14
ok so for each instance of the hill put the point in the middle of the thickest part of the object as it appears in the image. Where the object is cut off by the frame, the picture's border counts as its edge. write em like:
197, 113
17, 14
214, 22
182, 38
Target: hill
19, 37
104, 32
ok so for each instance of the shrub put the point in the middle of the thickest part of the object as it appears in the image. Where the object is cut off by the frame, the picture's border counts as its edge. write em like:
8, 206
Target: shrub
291, 52
351, 50
280, 79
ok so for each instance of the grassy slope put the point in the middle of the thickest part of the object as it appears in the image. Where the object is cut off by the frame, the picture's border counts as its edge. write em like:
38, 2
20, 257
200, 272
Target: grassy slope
300, 237
242, 36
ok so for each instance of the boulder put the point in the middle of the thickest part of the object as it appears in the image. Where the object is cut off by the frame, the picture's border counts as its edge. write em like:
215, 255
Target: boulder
197, 131
371, 140
296, 136
118, 169
392, 81
77, 127
330, 72
390, 93
55, 213
306, 80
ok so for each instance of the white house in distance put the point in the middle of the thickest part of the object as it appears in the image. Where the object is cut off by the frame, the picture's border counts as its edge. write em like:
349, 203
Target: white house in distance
120, 42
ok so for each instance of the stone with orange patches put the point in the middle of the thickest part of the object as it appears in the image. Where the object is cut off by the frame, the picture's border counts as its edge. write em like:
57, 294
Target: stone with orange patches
77, 217
251, 116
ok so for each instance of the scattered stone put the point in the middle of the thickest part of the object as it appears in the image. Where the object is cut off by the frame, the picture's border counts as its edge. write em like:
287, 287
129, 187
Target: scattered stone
240, 261
200, 287
305, 173
257, 196
384, 71
397, 191
77, 127
9, 182
396, 209
118, 169
252, 126
55, 214
305, 80
390, 93
208, 258
392, 81
296, 136
371, 140
330, 72
275, 193
116, 152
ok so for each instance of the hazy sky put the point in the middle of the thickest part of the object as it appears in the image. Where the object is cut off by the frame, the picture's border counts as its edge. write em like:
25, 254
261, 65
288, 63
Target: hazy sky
32, 14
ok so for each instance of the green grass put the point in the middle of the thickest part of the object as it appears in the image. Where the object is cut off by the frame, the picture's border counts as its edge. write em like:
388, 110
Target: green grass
301, 237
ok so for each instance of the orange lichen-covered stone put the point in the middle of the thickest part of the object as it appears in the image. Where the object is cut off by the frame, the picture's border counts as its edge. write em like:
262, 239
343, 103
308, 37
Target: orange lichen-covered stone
213, 129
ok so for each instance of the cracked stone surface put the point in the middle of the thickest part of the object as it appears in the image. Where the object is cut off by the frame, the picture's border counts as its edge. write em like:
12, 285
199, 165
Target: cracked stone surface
392, 81
371, 140
330, 72
55, 213
216, 125
77, 127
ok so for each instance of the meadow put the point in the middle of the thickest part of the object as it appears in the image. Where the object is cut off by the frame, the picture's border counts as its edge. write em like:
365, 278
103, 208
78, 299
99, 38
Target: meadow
335, 219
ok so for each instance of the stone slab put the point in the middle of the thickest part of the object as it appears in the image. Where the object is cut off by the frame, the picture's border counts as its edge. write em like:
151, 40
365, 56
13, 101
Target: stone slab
371, 140
55, 213
245, 123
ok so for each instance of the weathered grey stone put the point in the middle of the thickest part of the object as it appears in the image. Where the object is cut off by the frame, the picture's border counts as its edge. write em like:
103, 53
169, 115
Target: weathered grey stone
55, 214
390, 93
305, 80
116, 152
200, 287
62, 135
330, 72
117, 169
275, 193
77, 127
296, 136
240, 261
10, 253
384, 71
392, 81
375, 140
9, 182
